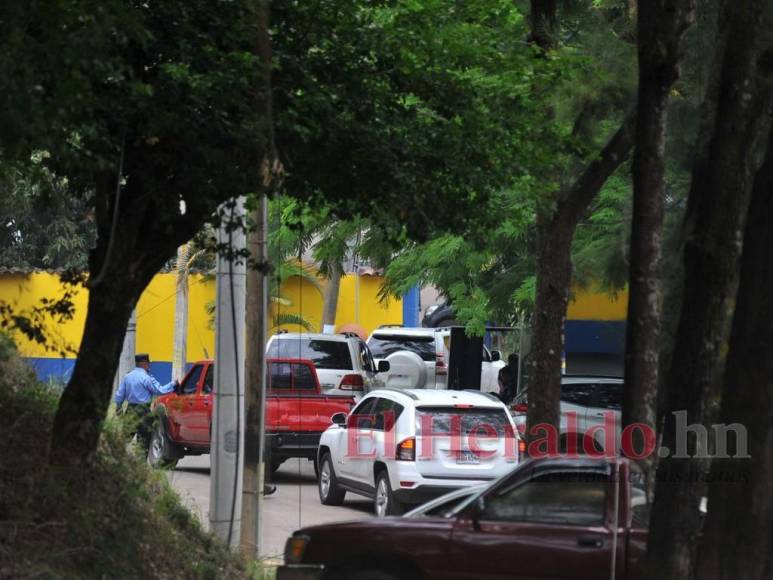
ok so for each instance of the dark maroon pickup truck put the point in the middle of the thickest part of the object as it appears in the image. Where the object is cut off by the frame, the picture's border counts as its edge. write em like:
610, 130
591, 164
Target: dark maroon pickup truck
549, 518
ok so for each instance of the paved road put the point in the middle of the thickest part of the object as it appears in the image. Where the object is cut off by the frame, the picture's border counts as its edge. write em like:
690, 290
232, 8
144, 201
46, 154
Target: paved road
295, 504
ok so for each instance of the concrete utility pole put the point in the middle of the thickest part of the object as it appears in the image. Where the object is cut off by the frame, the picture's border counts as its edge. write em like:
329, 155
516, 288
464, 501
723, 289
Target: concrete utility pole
181, 313
227, 448
126, 362
255, 373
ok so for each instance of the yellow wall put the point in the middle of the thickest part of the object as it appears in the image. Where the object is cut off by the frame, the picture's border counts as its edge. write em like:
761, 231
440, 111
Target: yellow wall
306, 299
593, 304
155, 311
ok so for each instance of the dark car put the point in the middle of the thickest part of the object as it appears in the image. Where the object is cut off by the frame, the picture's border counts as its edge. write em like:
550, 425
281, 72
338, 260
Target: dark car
549, 518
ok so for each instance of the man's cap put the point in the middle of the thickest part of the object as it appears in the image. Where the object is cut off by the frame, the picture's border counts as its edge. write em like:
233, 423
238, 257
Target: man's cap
141, 358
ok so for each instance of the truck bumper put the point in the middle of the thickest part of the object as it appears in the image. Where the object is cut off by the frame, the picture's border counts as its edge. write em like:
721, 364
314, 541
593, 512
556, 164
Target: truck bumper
300, 572
290, 444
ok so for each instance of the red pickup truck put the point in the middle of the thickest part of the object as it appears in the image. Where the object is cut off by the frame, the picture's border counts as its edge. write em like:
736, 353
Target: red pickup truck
552, 518
297, 413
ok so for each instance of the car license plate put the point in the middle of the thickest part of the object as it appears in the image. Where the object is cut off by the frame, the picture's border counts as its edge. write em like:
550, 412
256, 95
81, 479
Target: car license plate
468, 458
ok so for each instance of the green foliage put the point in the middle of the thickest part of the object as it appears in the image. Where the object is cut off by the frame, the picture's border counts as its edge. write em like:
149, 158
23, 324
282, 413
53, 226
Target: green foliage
119, 517
410, 113
41, 224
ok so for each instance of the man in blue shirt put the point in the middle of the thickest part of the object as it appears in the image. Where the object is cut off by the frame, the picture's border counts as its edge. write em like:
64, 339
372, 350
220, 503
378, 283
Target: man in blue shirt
137, 389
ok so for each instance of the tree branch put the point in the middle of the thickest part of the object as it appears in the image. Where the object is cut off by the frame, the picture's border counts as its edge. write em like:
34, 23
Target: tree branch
578, 197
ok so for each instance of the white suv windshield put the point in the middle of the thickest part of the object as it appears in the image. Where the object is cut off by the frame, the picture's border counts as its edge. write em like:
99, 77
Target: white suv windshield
383, 345
326, 354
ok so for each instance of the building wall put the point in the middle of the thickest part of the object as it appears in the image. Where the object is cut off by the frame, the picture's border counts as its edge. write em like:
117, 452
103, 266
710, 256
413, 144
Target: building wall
155, 316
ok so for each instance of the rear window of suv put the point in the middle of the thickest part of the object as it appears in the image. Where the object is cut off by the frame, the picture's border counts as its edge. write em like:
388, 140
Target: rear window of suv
444, 420
383, 345
326, 354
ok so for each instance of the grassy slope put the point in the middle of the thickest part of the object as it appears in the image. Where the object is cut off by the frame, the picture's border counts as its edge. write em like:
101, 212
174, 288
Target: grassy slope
118, 520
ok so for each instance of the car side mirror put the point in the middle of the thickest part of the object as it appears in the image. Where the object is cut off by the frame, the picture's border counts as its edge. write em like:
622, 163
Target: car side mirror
339, 419
383, 366
496, 356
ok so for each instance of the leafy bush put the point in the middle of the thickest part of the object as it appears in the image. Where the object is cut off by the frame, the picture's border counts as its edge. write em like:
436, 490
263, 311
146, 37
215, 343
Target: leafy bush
117, 519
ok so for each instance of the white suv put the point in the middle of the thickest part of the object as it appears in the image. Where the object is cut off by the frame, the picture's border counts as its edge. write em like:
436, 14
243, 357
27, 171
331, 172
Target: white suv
419, 358
406, 446
586, 401
343, 361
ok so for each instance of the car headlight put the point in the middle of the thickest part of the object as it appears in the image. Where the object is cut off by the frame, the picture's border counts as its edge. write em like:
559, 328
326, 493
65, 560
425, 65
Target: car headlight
295, 548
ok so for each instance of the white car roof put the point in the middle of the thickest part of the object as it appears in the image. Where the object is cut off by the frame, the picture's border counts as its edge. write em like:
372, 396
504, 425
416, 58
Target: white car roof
311, 336
402, 331
442, 397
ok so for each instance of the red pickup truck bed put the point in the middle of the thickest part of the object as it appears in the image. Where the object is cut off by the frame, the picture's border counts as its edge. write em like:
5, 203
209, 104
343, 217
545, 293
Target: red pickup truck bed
297, 412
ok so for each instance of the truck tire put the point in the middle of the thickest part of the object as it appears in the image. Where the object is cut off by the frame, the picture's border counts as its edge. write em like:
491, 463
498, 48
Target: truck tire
330, 493
384, 502
162, 453
406, 371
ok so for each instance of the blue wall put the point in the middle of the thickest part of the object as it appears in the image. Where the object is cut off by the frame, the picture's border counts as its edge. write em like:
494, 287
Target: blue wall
595, 336
60, 369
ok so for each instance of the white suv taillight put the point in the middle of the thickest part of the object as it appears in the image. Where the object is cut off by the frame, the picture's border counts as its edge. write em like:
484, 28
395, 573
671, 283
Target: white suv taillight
440, 364
352, 383
406, 451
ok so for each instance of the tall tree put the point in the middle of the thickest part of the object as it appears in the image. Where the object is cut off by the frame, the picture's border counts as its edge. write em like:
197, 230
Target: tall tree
150, 106
557, 219
738, 532
737, 113
661, 25
558, 213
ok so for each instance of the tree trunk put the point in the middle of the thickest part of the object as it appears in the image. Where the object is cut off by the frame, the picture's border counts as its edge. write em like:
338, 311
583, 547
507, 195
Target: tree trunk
84, 403
330, 300
739, 526
717, 205
544, 23
555, 230
659, 33
554, 276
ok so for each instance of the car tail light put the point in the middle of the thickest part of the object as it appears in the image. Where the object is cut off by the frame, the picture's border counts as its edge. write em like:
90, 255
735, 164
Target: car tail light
521, 408
521, 428
406, 451
294, 549
440, 364
352, 383
522, 447
463, 406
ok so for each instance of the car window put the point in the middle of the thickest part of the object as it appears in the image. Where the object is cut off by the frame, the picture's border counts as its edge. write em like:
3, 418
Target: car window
362, 416
366, 359
382, 345
326, 354
578, 393
566, 498
280, 376
287, 375
387, 413
608, 396
190, 382
447, 419
209, 380
303, 378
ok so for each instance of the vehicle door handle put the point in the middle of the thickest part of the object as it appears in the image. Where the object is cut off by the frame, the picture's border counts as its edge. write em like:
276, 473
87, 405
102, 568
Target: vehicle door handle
590, 542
